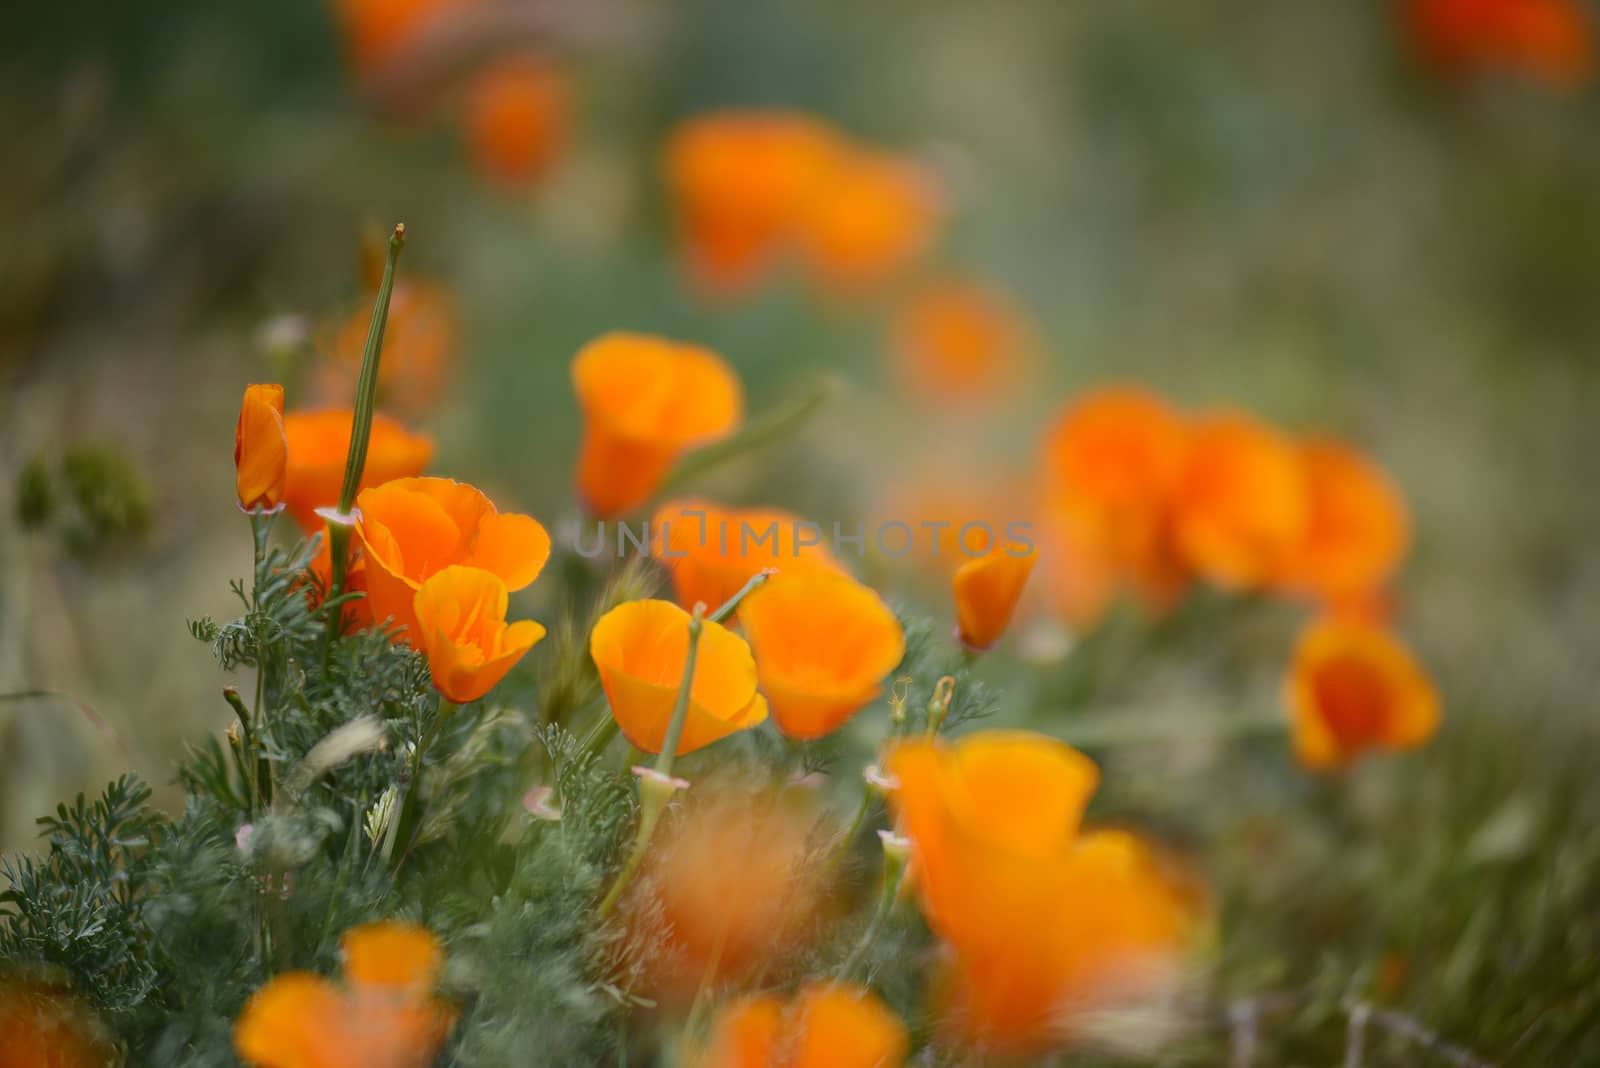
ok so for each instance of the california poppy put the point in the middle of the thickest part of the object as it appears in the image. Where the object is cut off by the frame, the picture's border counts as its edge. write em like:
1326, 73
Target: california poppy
877, 214
1354, 687
1550, 39
413, 528
516, 118
712, 552
1357, 530
987, 589
640, 648
319, 444
826, 1025
377, 30
260, 450
740, 181
48, 1026
823, 645
1241, 505
645, 401
461, 626
958, 343
383, 1015
421, 341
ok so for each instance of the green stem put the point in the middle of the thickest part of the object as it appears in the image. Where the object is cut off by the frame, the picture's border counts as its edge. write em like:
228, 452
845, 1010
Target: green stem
404, 827
731, 605
842, 846
893, 876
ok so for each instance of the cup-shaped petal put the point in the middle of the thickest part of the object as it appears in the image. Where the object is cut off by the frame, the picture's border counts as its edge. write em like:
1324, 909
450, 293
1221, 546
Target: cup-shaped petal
987, 589
875, 217
318, 445
712, 552
260, 450
461, 627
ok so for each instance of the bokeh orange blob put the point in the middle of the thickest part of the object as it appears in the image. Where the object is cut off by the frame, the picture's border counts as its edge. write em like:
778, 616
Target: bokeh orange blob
516, 119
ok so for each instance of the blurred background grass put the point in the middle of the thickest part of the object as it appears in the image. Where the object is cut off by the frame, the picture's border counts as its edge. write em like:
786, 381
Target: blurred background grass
1261, 204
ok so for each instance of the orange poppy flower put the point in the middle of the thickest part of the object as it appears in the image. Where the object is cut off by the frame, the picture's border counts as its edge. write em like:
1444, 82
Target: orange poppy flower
461, 621
413, 528
420, 344
956, 342
987, 589
260, 451
377, 30
877, 214
640, 648
739, 182
319, 445
517, 119
823, 645
1043, 921
1354, 687
712, 552
645, 401
827, 1025
49, 1027
1358, 528
384, 1014
1242, 504
1551, 39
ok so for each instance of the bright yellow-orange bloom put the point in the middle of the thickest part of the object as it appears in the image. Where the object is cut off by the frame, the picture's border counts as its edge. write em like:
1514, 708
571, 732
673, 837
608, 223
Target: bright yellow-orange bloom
42, 1026
740, 182
1354, 687
461, 626
384, 1014
1550, 39
987, 589
413, 528
645, 401
1358, 528
319, 443
712, 552
260, 450
377, 30
517, 119
640, 648
420, 344
823, 645
1242, 504
1044, 921
958, 343
827, 1025
875, 217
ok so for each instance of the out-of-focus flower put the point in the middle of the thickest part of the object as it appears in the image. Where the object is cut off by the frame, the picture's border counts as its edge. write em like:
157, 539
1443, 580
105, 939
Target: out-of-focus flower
1354, 687
420, 343
640, 648
987, 589
383, 1015
1111, 464
377, 30
827, 1025
877, 214
1549, 39
958, 343
1044, 922
357, 613
823, 645
645, 401
739, 182
46, 1026
516, 119
260, 450
720, 917
1357, 532
319, 443
413, 528
1241, 505
712, 552
461, 626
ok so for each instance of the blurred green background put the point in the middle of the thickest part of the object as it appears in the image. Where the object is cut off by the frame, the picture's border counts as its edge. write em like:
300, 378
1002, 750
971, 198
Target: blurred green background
1261, 203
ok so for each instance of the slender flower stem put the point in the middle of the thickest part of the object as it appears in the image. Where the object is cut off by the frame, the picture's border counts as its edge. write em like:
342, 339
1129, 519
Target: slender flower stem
731, 605
893, 874
842, 846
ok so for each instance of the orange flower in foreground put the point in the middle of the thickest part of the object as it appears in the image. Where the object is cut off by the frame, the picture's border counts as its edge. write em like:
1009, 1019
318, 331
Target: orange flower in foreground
44, 1026
640, 648
413, 528
319, 443
739, 182
461, 626
420, 343
827, 1025
823, 645
260, 451
877, 215
1353, 687
1242, 504
1043, 921
645, 401
376, 30
1358, 528
987, 589
517, 119
384, 1014
712, 552
1551, 39
959, 343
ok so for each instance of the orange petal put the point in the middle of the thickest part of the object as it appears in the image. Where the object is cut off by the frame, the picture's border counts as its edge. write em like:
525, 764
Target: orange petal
318, 446
461, 625
712, 552
744, 1034
390, 953
836, 1025
1357, 531
987, 589
513, 547
516, 118
875, 217
260, 450
295, 1021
